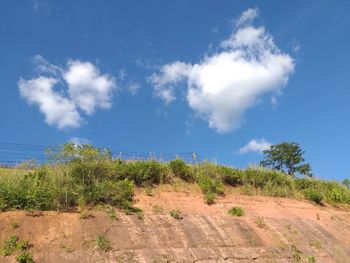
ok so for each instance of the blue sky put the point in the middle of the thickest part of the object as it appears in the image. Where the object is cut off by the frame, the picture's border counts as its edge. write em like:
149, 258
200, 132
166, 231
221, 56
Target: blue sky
221, 78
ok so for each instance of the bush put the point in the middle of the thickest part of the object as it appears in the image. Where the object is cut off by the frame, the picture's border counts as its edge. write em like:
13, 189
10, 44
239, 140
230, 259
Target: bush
236, 211
143, 173
231, 176
210, 187
180, 169
119, 193
313, 195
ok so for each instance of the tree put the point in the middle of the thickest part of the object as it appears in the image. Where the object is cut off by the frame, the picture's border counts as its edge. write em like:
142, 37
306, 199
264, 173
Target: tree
346, 182
286, 157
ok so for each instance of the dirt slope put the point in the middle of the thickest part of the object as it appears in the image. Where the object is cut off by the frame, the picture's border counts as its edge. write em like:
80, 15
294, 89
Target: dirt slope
290, 229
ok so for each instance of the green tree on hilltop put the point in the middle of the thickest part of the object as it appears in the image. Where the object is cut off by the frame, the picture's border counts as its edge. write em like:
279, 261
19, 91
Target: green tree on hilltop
288, 158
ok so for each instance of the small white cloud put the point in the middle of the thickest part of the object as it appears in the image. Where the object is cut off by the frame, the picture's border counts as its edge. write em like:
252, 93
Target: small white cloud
86, 90
255, 146
57, 109
79, 141
247, 16
134, 88
223, 85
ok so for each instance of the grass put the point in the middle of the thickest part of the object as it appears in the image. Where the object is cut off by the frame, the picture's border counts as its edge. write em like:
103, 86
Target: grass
110, 211
176, 213
84, 215
260, 222
236, 211
87, 176
157, 209
296, 254
103, 243
316, 244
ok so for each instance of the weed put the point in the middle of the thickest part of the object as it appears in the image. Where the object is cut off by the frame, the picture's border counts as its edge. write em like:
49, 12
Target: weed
34, 213
260, 222
149, 191
25, 257
313, 195
110, 211
316, 244
10, 246
311, 259
23, 245
176, 213
296, 254
180, 169
236, 211
66, 248
103, 243
15, 225
158, 209
140, 214
209, 198
85, 215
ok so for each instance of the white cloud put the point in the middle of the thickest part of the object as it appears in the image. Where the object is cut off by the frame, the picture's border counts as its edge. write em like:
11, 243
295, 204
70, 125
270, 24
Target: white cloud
134, 87
57, 109
82, 90
79, 141
87, 87
171, 74
247, 16
223, 85
255, 146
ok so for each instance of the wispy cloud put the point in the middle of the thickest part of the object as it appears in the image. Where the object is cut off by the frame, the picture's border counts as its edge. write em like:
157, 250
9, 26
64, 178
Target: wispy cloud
83, 89
134, 87
79, 141
223, 85
255, 146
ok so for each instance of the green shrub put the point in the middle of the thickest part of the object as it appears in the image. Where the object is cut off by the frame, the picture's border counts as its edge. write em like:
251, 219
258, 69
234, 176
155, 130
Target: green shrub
180, 169
116, 193
143, 173
236, 211
211, 187
313, 195
231, 176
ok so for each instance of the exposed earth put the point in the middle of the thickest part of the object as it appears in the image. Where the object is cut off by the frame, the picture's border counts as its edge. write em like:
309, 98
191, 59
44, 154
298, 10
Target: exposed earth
271, 230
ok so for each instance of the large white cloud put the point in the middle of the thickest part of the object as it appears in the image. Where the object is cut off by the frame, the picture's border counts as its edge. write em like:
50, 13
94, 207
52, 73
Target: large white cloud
255, 146
223, 85
83, 89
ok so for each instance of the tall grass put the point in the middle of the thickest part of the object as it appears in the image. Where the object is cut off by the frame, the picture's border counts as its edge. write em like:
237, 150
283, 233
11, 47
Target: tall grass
83, 175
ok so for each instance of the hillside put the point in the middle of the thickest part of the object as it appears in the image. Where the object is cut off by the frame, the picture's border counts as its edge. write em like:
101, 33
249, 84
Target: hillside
271, 230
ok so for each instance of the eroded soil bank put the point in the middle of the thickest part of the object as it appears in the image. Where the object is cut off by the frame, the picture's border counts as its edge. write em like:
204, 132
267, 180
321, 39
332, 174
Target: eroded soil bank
272, 230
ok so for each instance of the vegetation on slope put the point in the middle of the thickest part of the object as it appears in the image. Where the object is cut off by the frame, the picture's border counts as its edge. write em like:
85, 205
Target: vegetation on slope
84, 175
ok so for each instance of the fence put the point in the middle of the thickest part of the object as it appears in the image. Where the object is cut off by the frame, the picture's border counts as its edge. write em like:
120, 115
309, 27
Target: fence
12, 154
